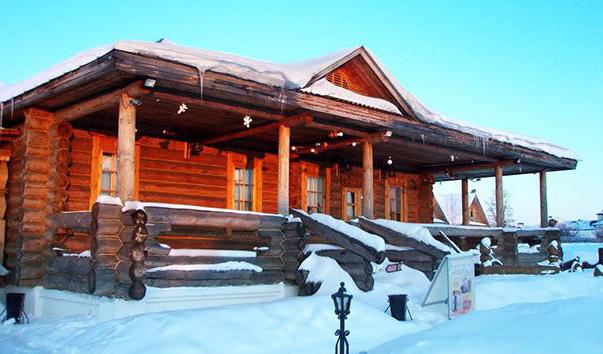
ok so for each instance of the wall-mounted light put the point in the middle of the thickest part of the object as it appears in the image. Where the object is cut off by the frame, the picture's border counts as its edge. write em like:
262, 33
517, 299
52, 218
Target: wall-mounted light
293, 148
388, 133
389, 160
135, 102
354, 144
150, 83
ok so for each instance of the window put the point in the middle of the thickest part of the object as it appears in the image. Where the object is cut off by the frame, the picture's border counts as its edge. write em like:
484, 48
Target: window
351, 203
243, 188
108, 177
315, 195
395, 203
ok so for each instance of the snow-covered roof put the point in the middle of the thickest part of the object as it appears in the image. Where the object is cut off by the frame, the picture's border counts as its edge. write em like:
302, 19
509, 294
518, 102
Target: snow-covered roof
297, 75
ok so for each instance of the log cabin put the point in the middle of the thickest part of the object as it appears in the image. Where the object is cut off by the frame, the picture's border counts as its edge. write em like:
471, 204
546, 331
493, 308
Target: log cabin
133, 150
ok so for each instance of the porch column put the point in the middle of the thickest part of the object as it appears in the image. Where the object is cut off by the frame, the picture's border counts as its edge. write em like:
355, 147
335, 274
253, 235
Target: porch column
284, 141
367, 180
544, 213
500, 209
126, 147
465, 200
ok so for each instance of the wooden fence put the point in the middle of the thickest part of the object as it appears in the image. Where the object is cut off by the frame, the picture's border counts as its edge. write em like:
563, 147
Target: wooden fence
130, 250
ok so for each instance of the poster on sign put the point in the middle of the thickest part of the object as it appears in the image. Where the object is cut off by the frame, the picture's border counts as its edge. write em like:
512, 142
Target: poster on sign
452, 289
461, 272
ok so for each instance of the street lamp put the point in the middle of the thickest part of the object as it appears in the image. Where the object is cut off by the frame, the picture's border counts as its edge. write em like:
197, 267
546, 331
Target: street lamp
342, 302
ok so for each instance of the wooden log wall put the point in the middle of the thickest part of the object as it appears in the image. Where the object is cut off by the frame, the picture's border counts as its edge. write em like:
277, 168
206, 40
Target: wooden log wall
111, 251
72, 234
167, 174
67, 273
275, 241
36, 189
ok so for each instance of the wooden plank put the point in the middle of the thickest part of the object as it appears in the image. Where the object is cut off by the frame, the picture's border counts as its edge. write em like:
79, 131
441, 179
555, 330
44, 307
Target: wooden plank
397, 239
340, 239
126, 148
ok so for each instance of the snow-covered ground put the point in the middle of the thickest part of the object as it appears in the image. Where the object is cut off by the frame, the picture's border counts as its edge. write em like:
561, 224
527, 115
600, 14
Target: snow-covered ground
515, 314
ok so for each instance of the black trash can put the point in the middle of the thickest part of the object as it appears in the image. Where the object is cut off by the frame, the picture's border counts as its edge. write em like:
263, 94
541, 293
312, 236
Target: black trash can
15, 303
397, 305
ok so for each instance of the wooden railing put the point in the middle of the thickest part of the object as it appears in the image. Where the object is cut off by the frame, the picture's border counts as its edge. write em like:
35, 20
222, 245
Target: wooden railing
129, 248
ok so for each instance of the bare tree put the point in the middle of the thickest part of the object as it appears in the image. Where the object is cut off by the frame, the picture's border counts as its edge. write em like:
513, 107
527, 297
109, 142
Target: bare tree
507, 209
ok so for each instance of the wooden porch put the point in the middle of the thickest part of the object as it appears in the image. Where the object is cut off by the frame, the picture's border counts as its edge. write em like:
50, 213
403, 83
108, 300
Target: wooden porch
141, 127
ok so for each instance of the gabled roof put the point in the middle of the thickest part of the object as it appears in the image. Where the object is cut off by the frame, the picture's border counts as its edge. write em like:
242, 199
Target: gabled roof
307, 76
450, 206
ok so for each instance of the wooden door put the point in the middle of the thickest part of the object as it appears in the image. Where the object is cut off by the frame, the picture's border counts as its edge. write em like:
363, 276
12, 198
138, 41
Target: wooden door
351, 203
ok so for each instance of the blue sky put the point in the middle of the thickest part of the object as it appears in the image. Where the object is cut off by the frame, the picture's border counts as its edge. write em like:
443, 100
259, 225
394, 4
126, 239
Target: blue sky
532, 67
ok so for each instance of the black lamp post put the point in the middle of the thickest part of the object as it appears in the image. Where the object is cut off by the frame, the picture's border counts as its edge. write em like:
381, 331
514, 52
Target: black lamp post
342, 302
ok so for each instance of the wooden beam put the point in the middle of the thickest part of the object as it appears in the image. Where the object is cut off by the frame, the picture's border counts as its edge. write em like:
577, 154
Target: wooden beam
464, 166
367, 179
217, 105
372, 138
284, 142
98, 103
500, 209
346, 131
465, 200
244, 133
544, 213
126, 148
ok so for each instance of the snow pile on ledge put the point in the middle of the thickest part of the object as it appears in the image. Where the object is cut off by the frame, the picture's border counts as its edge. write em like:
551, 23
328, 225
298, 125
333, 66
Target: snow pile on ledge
107, 199
136, 205
289, 76
218, 267
354, 232
84, 254
414, 231
187, 252
329, 273
323, 87
315, 247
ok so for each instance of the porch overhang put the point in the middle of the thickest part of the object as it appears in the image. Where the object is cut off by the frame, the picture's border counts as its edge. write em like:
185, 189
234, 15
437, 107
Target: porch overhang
219, 108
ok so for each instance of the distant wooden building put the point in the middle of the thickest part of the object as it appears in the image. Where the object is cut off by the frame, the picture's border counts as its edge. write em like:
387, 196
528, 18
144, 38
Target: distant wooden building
448, 210
218, 148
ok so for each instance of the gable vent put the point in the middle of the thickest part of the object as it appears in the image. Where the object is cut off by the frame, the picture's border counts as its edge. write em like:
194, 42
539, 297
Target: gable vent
338, 78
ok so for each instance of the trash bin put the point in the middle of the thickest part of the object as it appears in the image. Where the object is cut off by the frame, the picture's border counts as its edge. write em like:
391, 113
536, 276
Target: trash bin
14, 306
397, 305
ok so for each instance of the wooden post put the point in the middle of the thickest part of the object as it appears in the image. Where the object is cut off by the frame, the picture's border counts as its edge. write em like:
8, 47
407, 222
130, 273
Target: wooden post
284, 140
367, 180
465, 200
126, 148
544, 213
500, 209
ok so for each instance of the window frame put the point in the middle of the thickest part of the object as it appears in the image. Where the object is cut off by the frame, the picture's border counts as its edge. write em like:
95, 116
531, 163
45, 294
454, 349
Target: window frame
397, 181
309, 170
240, 161
357, 206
